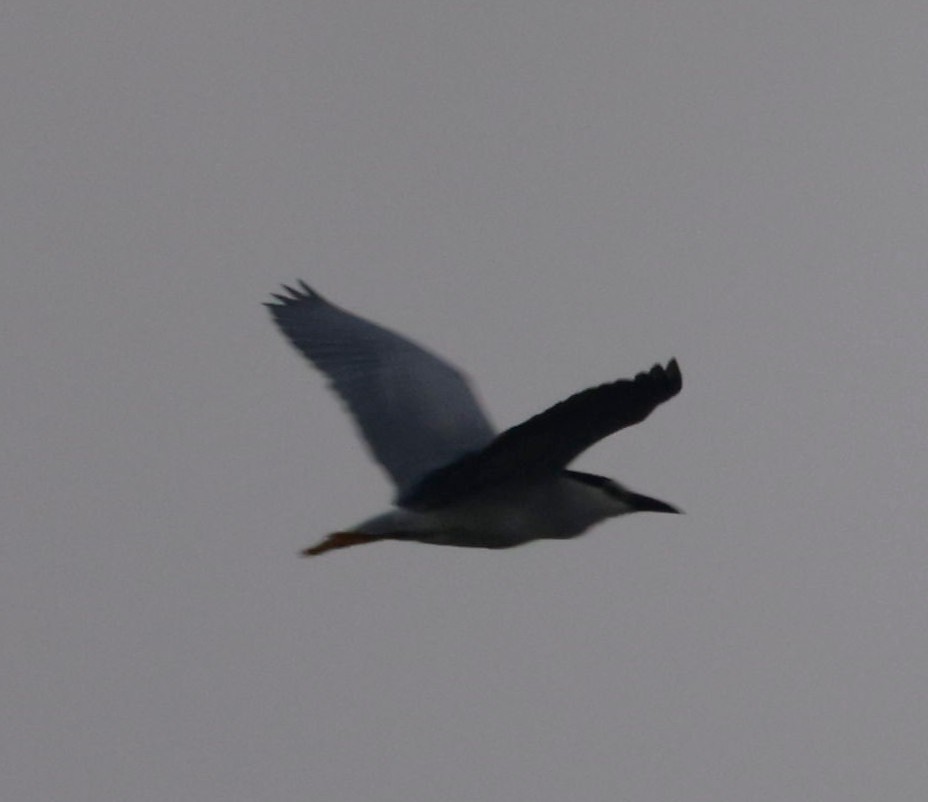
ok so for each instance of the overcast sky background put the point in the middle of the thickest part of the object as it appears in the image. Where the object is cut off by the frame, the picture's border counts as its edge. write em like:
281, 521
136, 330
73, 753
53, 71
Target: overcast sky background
552, 195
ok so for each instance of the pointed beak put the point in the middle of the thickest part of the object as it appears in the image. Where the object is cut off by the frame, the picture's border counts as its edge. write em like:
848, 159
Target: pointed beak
647, 504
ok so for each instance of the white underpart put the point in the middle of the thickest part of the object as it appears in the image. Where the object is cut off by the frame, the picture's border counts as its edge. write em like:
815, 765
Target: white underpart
561, 508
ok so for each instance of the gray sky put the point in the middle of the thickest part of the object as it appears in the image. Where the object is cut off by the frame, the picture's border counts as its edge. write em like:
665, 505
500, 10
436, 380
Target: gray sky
552, 195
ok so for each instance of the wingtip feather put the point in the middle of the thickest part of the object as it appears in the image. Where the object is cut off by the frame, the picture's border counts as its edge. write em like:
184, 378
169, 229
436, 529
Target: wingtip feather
300, 293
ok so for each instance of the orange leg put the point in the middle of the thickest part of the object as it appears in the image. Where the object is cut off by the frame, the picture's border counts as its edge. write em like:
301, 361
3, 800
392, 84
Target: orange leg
339, 540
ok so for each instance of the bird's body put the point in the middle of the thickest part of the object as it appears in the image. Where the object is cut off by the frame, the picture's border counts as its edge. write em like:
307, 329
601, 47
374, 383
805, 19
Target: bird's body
557, 508
458, 483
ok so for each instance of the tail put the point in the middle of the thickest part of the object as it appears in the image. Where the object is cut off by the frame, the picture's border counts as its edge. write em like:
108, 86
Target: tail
339, 540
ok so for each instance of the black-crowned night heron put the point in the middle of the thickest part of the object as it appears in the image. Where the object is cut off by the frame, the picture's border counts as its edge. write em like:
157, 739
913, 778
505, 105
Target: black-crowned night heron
458, 482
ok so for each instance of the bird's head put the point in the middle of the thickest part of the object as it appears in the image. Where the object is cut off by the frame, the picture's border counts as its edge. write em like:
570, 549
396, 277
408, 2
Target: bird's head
620, 497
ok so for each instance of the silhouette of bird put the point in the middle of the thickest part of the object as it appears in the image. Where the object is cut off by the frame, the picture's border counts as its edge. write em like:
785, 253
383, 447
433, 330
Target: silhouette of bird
458, 482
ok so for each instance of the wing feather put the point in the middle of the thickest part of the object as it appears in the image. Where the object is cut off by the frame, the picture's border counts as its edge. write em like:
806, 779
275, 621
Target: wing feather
415, 411
547, 443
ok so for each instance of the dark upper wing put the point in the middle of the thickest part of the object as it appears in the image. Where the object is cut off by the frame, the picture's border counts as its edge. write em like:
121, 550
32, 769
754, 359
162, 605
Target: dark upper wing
547, 443
415, 411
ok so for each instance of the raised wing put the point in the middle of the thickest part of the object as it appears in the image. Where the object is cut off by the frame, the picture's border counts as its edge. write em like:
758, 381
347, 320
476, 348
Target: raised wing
416, 412
549, 442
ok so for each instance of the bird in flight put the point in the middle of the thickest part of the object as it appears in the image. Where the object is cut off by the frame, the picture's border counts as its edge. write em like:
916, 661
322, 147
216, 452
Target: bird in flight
458, 482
